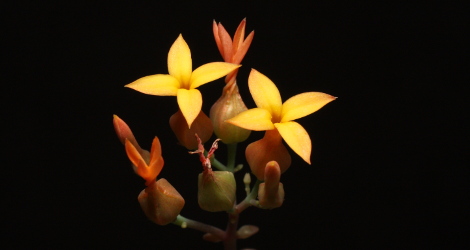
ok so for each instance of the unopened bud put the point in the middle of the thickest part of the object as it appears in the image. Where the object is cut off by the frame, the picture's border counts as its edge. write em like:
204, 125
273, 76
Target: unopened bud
229, 105
161, 202
216, 190
123, 132
202, 126
271, 192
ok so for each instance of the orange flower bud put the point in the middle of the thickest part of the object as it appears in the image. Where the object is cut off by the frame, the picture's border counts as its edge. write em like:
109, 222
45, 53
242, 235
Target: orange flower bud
271, 192
124, 132
216, 190
232, 51
229, 105
202, 126
161, 202
148, 172
269, 148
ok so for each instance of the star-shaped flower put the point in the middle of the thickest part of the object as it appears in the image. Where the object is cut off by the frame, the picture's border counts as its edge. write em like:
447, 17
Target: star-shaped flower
182, 81
271, 113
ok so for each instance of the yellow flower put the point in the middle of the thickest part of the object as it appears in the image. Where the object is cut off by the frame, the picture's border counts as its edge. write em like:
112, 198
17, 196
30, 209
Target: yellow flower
271, 113
182, 81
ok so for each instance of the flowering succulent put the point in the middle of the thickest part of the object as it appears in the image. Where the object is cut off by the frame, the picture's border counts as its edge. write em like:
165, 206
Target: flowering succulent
232, 122
272, 114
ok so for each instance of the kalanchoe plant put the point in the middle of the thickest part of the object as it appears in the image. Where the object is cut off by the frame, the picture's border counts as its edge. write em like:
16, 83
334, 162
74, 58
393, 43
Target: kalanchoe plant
232, 123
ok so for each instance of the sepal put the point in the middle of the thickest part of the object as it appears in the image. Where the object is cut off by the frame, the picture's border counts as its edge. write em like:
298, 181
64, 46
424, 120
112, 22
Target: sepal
202, 126
269, 148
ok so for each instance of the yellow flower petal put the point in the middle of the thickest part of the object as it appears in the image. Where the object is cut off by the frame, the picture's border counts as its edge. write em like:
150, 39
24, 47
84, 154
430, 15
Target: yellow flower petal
304, 104
297, 138
257, 119
210, 72
162, 85
265, 94
179, 61
190, 103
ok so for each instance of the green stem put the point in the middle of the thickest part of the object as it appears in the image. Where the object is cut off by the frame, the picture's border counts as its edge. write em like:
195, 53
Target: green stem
230, 240
248, 201
217, 164
232, 153
188, 223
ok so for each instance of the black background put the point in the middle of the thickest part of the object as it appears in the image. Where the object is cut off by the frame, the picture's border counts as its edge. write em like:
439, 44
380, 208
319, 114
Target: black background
389, 167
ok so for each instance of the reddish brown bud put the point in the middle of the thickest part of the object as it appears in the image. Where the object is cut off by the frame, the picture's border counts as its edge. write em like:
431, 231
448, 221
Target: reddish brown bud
161, 202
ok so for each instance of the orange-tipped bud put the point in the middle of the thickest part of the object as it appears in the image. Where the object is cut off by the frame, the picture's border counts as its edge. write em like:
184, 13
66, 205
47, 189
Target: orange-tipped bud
229, 105
202, 126
269, 148
161, 202
124, 132
216, 190
148, 172
271, 192
232, 51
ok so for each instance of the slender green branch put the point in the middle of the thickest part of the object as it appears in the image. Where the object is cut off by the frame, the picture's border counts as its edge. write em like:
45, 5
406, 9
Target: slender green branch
232, 153
249, 200
230, 240
217, 164
188, 223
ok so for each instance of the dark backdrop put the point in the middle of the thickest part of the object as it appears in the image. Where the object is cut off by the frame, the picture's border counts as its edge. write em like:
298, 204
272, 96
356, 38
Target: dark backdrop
388, 165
